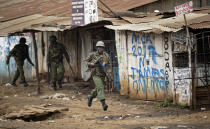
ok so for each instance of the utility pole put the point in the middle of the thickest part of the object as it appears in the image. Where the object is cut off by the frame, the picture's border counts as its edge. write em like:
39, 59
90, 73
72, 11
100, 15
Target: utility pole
36, 62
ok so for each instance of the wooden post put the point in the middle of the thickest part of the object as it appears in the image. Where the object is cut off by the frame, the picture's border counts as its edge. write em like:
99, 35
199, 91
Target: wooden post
189, 58
36, 62
195, 80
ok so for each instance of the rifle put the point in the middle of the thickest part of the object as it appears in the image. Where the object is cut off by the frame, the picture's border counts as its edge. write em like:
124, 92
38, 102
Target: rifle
97, 59
48, 73
71, 69
9, 72
109, 75
109, 83
8, 68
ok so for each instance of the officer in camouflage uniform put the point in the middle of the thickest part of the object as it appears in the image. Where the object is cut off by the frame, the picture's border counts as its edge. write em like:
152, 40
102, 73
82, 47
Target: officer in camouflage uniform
20, 53
99, 63
55, 61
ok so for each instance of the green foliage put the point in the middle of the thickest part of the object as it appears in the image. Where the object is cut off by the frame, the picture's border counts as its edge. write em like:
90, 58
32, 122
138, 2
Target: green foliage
167, 102
51, 118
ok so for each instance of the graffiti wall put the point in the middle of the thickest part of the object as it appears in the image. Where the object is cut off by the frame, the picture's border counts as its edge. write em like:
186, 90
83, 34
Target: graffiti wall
146, 72
121, 46
6, 45
146, 60
182, 85
167, 54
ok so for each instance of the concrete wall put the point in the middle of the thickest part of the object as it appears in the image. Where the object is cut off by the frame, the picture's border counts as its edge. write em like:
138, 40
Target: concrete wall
166, 5
6, 45
145, 65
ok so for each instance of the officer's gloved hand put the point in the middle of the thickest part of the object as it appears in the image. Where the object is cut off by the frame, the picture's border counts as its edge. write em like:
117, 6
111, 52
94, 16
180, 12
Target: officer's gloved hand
32, 64
91, 65
68, 61
7, 61
48, 64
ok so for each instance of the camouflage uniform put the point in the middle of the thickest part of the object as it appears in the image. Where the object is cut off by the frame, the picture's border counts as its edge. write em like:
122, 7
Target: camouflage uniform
20, 53
55, 60
100, 70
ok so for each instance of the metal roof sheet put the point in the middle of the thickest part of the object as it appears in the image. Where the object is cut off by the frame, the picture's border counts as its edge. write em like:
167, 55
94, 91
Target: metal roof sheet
123, 5
173, 24
11, 9
178, 22
143, 20
33, 14
145, 27
204, 25
32, 22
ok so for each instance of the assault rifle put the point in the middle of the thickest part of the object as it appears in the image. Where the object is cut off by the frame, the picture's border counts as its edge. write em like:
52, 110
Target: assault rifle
94, 61
48, 73
98, 59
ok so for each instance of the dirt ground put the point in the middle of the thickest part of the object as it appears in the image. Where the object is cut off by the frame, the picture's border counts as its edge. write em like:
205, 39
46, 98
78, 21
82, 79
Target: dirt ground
123, 113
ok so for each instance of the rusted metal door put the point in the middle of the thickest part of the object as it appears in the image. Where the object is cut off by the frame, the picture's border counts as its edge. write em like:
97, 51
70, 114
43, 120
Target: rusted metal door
202, 69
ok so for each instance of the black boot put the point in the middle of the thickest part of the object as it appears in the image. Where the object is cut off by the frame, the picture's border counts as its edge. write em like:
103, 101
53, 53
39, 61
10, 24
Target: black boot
60, 84
90, 99
13, 84
25, 84
104, 104
54, 87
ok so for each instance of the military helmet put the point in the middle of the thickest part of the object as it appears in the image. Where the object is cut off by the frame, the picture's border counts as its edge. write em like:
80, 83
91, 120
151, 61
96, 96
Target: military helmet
53, 38
22, 40
100, 44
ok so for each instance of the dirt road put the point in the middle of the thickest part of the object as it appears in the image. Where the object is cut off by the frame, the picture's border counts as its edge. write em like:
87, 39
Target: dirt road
123, 113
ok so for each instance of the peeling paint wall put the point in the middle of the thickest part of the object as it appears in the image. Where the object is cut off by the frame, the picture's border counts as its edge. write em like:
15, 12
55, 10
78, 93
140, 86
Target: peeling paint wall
145, 65
121, 46
182, 84
6, 45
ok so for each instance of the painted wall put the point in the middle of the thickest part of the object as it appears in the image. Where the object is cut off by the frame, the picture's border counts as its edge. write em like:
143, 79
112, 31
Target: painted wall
145, 62
121, 46
6, 45
182, 84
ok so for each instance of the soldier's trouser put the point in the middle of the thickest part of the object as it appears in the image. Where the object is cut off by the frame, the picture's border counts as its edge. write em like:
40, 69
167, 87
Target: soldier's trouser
19, 72
99, 87
57, 71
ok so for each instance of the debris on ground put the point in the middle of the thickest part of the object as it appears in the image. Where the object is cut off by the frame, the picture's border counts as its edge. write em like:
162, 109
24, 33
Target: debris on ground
203, 109
59, 96
51, 121
8, 85
137, 116
15, 95
125, 116
106, 117
44, 97
32, 111
33, 94
181, 126
73, 97
158, 127
205, 117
